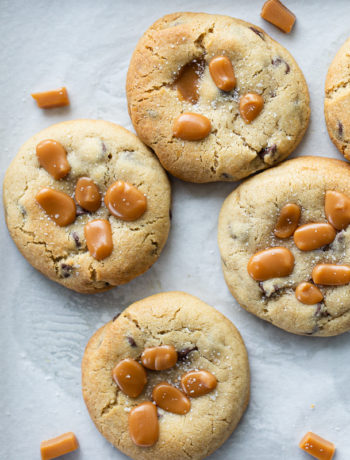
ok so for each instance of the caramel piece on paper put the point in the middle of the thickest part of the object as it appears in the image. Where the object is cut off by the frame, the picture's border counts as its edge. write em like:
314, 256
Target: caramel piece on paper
317, 447
56, 447
50, 99
275, 12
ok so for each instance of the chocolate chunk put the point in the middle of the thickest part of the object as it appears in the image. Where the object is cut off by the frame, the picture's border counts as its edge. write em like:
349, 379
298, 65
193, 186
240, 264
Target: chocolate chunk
76, 239
131, 341
66, 270
257, 32
80, 211
277, 61
340, 129
267, 150
182, 354
116, 316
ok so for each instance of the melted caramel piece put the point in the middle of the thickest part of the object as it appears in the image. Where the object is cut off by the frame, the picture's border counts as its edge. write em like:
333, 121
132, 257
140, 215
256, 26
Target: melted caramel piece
187, 83
125, 201
280, 16
191, 127
337, 209
317, 447
143, 424
308, 293
61, 445
331, 274
130, 377
50, 99
159, 358
98, 235
313, 236
87, 194
171, 399
59, 206
271, 263
52, 157
288, 220
198, 383
221, 71
250, 105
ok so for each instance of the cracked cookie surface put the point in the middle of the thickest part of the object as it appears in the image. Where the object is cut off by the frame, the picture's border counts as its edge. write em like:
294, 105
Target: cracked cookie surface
233, 149
204, 339
337, 100
246, 226
105, 152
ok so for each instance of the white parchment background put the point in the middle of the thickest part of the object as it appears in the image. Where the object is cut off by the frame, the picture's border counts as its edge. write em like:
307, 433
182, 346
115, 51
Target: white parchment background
87, 45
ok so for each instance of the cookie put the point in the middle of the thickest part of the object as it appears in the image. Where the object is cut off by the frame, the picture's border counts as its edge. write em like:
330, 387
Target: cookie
284, 238
87, 204
215, 97
337, 100
203, 340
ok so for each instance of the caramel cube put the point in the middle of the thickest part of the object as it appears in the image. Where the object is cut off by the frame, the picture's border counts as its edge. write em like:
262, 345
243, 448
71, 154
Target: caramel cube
275, 12
50, 99
317, 447
56, 447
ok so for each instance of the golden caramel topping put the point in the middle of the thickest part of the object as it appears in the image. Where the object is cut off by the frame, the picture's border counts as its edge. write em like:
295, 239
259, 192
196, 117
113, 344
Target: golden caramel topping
130, 377
250, 105
271, 263
331, 274
143, 424
318, 447
125, 201
50, 99
52, 156
159, 358
87, 194
198, 383
191, 126
98, 235
187, 83
275, 12
308, 293
171, 399
337, 209
59, 206
313, 236
221, 71
61, 445
287, 220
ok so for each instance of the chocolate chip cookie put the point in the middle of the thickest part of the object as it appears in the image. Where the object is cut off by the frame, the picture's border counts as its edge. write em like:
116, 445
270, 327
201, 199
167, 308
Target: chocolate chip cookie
168, 378
87, 204
215, 97
337, 100
284, 238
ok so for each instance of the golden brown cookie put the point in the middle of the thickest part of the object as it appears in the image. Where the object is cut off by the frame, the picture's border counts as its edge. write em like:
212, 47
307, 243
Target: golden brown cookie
215, 97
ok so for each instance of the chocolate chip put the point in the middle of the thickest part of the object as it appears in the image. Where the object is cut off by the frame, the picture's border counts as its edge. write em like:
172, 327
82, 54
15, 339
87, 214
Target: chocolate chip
277, 61
116, 316
267, 150
104, 149
66, 270
226, 176
131, 341
287, 67
257, 32
182, 354
80, 211
76, 239
340, 129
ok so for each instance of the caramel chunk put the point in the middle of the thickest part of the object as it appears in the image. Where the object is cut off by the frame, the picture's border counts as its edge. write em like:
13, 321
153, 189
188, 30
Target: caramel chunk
187, 83
159, 358
288, 220
308, 293
280, 16
198, 383
59, 206
130, 377
331, 274
50, 99
87, 194
143, 424
56, 447
313, 236
52, 156
317, 447
98, 235
221, 71
250, 105
171, 399
337, 209
191, 127
271, 263
125, 201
